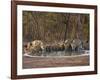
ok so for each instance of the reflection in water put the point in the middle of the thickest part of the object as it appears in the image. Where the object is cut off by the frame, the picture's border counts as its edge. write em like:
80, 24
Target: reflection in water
60, 53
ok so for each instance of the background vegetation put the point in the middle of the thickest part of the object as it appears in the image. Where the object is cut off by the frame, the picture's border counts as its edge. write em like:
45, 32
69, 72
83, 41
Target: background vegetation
52, 26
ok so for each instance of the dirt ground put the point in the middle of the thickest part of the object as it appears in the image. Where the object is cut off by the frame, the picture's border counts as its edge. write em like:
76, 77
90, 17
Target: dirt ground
43, 62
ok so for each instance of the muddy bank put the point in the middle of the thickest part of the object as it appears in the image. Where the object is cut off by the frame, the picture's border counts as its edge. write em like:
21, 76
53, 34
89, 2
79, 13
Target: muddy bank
43, 62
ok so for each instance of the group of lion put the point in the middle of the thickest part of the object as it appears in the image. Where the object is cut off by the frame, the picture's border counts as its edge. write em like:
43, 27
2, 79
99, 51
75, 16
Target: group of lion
37, 46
